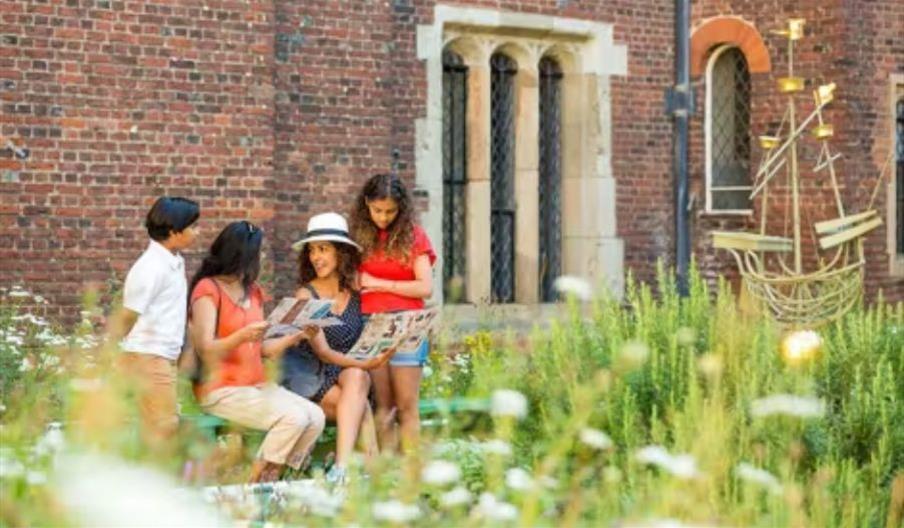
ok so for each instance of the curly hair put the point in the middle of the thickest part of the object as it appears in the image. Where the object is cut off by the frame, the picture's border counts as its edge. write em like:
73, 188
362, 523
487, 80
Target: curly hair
401, 230
347, 261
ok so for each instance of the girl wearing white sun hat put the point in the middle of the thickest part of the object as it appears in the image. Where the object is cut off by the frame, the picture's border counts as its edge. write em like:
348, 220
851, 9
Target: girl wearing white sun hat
329, 227
320, 369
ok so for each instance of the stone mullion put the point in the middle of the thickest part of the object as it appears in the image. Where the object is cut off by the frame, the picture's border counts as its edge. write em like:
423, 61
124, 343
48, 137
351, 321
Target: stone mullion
527, 199
477, 223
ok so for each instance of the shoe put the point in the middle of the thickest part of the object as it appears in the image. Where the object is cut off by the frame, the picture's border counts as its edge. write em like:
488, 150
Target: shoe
336, 476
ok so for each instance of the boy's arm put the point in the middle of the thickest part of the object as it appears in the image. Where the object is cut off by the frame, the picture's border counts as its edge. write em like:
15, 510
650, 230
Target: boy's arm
138, 292
120, 324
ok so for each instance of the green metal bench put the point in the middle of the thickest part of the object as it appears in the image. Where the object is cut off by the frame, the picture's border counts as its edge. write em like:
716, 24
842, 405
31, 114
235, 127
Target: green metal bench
213, 426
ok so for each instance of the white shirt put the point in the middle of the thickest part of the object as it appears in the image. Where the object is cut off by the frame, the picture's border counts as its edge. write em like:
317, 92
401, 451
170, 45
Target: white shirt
156, 289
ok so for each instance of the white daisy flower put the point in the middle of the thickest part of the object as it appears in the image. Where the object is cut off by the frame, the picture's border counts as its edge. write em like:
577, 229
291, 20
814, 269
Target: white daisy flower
789, 405
440, 473
497, 447
317, 499
456, 497
103, 491
36, 478
759, 476
682, 466
575, 286
53, 440
595, 438
493, 509
395, 511
505, 402
518, 479
10, 468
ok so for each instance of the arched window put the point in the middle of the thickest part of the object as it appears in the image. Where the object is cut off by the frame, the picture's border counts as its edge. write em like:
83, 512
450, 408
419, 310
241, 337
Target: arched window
502, 177
455, 178
550, 177
728, 132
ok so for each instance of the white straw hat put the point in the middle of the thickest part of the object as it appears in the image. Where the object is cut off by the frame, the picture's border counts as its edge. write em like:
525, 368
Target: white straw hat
331, 227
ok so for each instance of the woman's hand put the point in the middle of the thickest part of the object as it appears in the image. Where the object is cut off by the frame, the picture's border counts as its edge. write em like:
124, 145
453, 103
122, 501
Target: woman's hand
368, 282
253, 331
297, 337
377, 361
310, 332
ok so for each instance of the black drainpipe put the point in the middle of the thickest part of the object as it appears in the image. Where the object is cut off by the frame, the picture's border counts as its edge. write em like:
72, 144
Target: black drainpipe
680, 104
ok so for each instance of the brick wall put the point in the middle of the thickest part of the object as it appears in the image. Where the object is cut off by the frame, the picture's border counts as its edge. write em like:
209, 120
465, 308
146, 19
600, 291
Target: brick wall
118, 103
276, 110
874, 49
361, 87
848, 43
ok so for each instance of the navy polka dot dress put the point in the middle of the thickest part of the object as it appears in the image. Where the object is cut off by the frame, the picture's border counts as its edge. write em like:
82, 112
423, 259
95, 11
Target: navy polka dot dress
341, 338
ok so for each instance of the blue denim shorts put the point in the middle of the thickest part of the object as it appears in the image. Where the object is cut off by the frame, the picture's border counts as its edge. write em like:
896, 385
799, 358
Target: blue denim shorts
412, 358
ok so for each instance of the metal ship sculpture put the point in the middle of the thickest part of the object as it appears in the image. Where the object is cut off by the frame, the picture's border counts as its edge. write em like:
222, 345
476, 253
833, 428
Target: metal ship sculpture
772, 266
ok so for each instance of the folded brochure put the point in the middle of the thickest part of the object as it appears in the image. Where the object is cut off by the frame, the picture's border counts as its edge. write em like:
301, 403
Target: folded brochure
292, 315
403, 331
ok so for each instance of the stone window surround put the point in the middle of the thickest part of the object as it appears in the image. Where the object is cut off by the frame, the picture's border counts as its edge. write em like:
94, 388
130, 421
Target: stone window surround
708, 138
588, 56
895, 259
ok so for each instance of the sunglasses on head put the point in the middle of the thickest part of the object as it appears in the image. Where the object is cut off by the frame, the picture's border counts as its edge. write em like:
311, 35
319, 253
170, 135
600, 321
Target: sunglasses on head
251, 227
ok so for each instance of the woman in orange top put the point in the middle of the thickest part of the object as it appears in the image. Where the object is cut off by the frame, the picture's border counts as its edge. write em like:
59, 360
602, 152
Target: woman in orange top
395, 274
227, 325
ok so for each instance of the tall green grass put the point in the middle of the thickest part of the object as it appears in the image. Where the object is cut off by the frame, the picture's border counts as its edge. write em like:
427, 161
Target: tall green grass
651, 369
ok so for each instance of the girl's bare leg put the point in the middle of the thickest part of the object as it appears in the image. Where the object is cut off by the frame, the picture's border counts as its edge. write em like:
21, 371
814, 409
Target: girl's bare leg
385, 413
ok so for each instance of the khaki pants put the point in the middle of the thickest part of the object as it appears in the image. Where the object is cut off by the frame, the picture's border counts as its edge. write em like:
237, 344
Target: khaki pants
154, 381
292, 423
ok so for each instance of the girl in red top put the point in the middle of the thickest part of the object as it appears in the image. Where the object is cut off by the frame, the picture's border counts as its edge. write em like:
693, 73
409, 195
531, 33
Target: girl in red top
395, 274
227, 325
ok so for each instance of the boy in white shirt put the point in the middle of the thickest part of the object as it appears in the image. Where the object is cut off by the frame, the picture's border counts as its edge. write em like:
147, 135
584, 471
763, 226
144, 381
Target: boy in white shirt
155, 299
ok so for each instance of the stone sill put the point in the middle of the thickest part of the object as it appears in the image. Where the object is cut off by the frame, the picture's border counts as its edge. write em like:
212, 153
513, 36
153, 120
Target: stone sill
462, 319
725, 214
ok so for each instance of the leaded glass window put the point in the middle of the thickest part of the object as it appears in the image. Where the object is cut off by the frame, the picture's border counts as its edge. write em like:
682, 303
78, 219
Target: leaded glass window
550, 177
728, 131
455, 179
502, 177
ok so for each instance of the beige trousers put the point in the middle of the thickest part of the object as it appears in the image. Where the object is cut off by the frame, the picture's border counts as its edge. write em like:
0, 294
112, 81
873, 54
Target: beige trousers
292, 423
154, 381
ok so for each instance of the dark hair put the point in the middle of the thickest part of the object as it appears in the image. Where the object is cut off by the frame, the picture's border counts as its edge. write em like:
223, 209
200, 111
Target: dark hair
170, 215
401, 230
236, 251
347, 260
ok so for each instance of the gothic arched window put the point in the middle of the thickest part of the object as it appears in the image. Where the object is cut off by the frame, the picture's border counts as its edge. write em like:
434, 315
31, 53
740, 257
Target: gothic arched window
550, 177
455, 177
502, 177
728, 132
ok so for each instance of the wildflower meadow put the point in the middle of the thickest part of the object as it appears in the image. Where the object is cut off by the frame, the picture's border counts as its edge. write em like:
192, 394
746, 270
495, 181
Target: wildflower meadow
650, 410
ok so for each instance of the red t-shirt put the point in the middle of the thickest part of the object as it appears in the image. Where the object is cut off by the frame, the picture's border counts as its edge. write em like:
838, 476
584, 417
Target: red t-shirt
383, 267
241, 366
